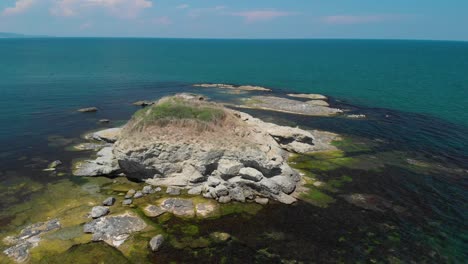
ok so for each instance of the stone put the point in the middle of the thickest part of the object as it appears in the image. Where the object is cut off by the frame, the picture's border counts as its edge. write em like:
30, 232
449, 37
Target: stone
221, 190
261, 200
213, 182
138, 194
114, 229
104, 121
229, 167
88, 110
356, 116
237, 194
205, 209
127, 202
157, 189
195, 190
130, 194
224, 199
153, 211
156, 242
109, 201
220, 237
173, 191
27, 239
372, 202
251, 174
99, 211
179, 207
54, 164
147, 189
287, 184
143, 103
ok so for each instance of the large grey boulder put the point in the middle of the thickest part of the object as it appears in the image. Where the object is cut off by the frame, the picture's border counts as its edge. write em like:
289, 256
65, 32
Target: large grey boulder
109, 135
251, 174
115, 229
99, 211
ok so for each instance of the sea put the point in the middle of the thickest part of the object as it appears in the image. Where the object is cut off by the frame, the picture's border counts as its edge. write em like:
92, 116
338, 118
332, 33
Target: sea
414, 95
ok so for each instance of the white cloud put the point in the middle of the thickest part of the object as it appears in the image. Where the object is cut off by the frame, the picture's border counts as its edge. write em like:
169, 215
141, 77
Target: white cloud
162, 21
20, 7
261, 15
121, 8
183, 6
198, 12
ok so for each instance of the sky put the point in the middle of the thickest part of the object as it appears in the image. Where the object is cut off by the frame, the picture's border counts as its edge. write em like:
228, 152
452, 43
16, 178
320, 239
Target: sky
368, 19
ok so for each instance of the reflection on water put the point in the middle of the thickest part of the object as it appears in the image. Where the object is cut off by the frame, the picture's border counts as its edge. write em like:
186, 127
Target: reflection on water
412, 168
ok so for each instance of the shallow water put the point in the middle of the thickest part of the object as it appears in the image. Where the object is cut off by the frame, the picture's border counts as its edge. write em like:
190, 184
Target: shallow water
416, 161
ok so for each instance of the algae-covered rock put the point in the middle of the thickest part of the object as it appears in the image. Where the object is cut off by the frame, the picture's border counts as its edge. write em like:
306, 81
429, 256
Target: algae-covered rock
114, 229
99, 211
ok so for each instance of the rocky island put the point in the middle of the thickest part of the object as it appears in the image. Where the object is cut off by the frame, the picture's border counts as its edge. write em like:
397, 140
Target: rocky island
185, 142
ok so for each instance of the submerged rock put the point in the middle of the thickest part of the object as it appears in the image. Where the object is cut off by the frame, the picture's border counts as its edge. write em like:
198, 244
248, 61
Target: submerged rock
179, 207
156, 242
153, 211
114, 230
372, 202
104, 121
220, 236
88, 110
55, 164
28, 238
99, 211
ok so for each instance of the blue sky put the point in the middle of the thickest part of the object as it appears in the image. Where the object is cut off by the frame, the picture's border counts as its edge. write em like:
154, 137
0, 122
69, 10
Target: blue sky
395, 19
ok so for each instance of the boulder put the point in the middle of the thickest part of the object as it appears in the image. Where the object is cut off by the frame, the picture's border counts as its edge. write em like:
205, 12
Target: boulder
115, 229
251, 174
109, 135
173, 190
130, 194
156, 242
109, 201
153, 211
99, 211
261, 200
54, 164
178, 206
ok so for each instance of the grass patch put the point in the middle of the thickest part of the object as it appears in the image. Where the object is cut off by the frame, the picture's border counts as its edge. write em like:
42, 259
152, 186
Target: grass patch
171, 108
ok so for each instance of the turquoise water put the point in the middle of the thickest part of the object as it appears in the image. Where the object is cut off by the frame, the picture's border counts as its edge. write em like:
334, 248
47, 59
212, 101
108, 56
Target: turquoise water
414, 92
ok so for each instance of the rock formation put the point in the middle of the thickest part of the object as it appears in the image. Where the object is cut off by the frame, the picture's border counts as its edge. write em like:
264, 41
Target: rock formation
185, 142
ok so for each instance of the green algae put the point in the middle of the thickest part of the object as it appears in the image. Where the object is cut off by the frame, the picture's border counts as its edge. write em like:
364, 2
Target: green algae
190, 230
351, 145
238, 208
321, 161
317, 197
89, 253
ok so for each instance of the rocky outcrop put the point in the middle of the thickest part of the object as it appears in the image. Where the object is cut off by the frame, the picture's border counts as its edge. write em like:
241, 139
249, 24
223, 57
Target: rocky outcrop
286, 105
185, 142
114, 229
233, 87
105, 164
28, 238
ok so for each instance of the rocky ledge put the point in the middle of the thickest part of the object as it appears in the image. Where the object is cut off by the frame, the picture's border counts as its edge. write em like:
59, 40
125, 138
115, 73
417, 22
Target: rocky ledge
314, 107
183, 142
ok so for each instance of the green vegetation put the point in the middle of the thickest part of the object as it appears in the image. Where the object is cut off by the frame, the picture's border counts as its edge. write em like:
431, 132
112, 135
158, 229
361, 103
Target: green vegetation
88, 253
321, 161
178, 109
317, 197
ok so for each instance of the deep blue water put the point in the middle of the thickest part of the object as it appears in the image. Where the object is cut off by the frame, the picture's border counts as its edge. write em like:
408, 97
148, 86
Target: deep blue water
415, 94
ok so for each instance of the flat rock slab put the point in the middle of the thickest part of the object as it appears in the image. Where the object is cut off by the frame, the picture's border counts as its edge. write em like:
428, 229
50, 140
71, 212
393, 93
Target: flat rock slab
153, 211
28, 238
179, 207
115, 229
309, 96
290, 106
109, 135
234, 87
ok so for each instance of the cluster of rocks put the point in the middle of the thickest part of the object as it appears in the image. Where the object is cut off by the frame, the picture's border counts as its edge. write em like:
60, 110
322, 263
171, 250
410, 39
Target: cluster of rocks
132, 194
27, 239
